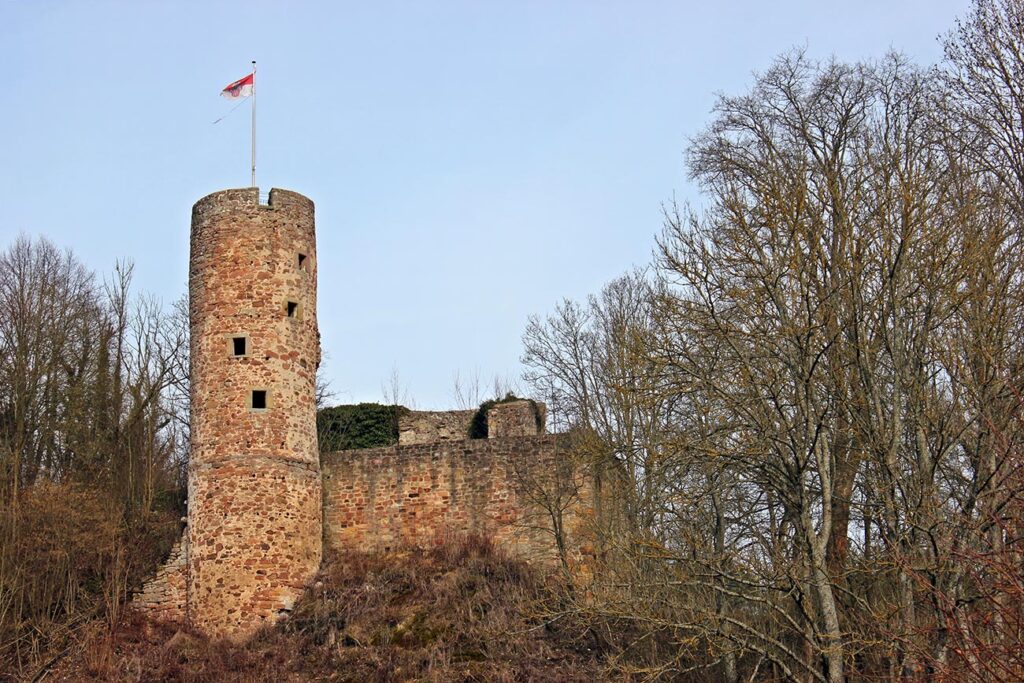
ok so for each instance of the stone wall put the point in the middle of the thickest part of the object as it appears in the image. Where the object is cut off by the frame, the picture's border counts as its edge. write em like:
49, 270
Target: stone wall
258, 488
516, 418
254, 484
163, 596
422, 426
418, 495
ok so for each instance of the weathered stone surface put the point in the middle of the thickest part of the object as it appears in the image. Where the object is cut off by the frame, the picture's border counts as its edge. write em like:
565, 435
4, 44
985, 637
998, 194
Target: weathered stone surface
517, 418
254, 483
379, 499
421, 426
163, 596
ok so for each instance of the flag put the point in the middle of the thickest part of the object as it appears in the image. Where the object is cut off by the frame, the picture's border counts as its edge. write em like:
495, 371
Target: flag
239, 89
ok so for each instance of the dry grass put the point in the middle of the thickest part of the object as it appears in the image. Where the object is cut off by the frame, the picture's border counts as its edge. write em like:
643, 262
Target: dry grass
68, 557
462, 612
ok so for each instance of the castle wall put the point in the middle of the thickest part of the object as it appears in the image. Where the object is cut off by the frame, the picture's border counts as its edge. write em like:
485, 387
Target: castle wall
254, 506
262, 500
417, 495
517, 418
423, 426
163, 597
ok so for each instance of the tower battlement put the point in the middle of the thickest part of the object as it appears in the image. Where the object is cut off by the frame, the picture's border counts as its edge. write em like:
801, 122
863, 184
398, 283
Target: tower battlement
233, 200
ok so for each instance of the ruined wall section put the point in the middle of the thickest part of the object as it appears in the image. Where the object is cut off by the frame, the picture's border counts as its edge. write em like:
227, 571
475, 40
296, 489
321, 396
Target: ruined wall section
254, 502
516, 418
418, 495
163, 597
423, 426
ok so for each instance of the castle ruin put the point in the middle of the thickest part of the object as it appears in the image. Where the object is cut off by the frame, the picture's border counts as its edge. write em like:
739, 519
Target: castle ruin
260, 511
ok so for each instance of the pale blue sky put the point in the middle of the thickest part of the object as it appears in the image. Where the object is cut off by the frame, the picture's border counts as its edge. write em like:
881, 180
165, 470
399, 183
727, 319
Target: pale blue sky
472, 163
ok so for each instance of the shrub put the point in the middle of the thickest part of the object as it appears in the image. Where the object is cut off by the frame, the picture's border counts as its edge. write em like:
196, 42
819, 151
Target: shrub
363, 425
67, 553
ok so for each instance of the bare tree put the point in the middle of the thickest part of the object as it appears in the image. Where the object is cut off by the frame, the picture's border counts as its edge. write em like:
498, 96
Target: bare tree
46, 297
89, 424
811, 405
467, 391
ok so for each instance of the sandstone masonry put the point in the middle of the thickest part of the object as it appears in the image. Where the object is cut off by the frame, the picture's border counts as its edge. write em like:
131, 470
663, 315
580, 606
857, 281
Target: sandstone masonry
254, 507
518, 418
422, 426
164, 596
260, 511
381, 499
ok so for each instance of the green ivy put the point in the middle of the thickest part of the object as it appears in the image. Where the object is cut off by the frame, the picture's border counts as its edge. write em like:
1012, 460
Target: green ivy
362, 425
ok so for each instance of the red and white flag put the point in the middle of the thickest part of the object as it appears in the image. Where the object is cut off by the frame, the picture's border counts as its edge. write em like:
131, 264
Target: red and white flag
239, 89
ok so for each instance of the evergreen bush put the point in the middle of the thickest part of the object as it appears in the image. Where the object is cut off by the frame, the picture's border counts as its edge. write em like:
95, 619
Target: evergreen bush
362, 425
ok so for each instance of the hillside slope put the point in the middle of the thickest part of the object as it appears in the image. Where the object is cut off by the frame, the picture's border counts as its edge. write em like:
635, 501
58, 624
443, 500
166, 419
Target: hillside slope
457, 613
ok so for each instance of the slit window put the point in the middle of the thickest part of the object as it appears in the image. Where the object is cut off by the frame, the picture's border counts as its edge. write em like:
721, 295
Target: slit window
259, 399
302, 262
238, 346
293, 309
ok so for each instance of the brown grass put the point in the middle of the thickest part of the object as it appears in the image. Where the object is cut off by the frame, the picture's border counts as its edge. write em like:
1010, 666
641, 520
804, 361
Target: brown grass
68, 557
462, 612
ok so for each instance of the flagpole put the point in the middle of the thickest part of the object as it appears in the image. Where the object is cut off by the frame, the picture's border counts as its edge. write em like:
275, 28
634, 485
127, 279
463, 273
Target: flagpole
254, 123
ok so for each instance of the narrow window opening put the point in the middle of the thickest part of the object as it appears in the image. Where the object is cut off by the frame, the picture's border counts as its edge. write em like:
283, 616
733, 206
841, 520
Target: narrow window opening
259, 399
238, 346
302, 261
293, 309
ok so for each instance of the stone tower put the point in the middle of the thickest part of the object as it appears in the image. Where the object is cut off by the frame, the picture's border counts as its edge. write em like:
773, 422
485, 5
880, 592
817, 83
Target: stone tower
254, 492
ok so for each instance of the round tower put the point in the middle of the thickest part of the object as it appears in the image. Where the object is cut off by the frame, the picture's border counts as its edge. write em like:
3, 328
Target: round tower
254, 511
